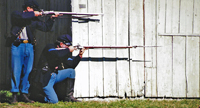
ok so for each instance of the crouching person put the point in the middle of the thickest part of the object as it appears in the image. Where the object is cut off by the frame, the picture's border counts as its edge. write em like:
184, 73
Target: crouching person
55, 65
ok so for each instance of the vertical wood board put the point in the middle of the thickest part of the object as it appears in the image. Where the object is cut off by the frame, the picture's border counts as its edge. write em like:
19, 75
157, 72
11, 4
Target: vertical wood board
95, 38
192, 54
109, 33
80, 35
150, 53
178, 54
164, 53
196, 30
136, 38
123, 80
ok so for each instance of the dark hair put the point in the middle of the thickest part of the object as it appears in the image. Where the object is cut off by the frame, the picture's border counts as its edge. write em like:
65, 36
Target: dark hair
31, 3
57, 43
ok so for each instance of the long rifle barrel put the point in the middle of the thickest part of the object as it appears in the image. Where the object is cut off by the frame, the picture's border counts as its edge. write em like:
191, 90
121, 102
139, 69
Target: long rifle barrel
109, 47
69, 13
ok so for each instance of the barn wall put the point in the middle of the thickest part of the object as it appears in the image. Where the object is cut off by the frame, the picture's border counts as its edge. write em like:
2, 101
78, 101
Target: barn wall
178, 59
170, 70
116, 77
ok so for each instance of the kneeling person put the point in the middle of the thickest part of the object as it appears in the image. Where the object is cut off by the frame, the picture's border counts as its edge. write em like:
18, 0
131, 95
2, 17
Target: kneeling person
55, 65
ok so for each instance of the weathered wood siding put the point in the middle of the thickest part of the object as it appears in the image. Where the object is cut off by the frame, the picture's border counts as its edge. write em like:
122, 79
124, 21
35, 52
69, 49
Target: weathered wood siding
174, 67
176, 30
173, 70
118, 26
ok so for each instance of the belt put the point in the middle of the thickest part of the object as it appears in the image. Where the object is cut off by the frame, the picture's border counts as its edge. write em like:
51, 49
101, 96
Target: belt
24, 41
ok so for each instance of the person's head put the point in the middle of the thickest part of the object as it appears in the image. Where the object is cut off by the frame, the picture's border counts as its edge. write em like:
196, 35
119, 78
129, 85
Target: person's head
30, 5
63, 41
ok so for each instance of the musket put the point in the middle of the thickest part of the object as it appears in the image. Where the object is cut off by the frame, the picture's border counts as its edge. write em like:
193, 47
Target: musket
81, 17
68, 13
105, 47
110, 47
100, 59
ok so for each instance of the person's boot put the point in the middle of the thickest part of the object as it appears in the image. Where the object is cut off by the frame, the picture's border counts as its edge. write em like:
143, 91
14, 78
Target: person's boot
14, 98
24, 98
70, 91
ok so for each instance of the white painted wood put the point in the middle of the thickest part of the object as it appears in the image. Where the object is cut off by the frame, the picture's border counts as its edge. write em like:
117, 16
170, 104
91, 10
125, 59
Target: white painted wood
192, 69
80, 35
192, 54
95, 38
164, 53
196, 30
136, 38
123, 78
174, 67
150, 53
178, 53
185, 28
109, 33
179, 85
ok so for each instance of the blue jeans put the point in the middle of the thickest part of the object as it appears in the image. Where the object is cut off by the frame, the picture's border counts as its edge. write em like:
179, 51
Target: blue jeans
21, 61
51, 95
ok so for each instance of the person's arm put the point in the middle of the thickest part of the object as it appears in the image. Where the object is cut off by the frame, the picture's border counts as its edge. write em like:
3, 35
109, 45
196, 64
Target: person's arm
21, 19
44, 26
23, 15
73, 63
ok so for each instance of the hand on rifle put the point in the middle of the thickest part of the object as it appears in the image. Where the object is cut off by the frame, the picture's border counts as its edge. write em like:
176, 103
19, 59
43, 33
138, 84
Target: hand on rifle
56, 14
82, 50
37, 13
72, 48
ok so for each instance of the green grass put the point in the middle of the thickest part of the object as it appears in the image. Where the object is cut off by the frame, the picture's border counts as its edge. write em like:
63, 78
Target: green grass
5, 96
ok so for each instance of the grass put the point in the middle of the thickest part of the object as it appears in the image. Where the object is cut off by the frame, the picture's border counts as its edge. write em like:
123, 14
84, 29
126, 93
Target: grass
5, 96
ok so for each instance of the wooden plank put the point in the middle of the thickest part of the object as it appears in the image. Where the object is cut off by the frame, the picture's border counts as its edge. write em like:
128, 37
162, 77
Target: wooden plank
7, 7
179, 60
109, 33
2, 33
196, 30
7, 50
186, 27
164, 53
95, 38
136, 38
150, 53
192, 69
123, 80
178, 53
80, 35
192, 54
179, 85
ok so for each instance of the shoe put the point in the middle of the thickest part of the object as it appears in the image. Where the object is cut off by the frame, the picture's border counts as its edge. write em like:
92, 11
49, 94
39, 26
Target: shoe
70, 91
14, 98
25, 98
70, 98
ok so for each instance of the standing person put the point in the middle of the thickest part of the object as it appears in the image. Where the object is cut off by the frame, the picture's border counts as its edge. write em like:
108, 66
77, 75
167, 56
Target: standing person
56, 65
22, 55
